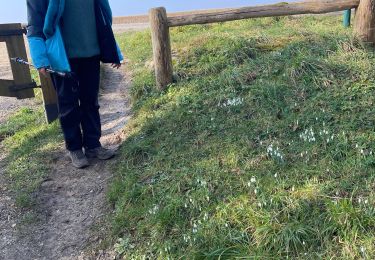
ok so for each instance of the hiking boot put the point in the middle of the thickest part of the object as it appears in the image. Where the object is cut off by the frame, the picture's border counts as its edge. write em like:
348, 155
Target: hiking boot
101, 153
78, 158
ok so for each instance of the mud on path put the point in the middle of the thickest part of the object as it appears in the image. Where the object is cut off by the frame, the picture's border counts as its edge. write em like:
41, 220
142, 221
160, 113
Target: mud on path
70, 202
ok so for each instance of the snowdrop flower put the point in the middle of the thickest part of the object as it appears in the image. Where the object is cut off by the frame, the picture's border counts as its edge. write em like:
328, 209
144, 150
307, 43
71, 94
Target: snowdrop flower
233, 102
195, 228
154, 210
253, 180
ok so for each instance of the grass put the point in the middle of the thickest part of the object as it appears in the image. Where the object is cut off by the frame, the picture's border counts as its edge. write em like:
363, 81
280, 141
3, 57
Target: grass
29, 145
263, 148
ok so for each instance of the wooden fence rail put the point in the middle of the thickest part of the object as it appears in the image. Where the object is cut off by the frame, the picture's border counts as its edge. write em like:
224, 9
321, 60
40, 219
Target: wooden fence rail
160, 24
22, 84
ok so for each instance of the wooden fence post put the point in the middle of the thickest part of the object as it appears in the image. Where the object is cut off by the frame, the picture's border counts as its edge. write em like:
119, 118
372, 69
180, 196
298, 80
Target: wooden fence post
364, 26
161, 47
49, 98
16, 48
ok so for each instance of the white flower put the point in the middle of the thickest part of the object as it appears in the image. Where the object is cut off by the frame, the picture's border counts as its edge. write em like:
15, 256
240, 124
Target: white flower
233, 102
253, 180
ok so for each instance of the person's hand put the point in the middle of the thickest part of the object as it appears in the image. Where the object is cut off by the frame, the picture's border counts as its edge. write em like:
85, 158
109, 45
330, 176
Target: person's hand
116, 65
43, 71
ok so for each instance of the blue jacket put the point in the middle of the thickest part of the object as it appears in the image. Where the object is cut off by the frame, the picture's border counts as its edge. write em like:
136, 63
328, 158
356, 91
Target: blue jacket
45, 40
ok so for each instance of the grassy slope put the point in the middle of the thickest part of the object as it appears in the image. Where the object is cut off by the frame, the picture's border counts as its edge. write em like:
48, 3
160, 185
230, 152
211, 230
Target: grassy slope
264, 147
29, 144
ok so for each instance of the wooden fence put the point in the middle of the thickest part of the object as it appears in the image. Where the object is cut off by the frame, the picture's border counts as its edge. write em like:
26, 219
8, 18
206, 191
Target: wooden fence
22, 84
160, 23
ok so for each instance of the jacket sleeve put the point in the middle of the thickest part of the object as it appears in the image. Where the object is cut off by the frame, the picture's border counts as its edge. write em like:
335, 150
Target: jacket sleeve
108, 10
36, 13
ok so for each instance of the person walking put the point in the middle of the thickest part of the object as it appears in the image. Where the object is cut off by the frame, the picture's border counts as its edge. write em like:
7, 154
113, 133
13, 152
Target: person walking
74, 36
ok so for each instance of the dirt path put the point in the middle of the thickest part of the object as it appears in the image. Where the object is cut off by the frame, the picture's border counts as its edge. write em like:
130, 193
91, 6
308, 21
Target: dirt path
70, 202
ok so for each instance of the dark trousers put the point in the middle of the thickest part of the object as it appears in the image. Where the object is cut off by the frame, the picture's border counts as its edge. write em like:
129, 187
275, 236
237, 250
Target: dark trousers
78, 104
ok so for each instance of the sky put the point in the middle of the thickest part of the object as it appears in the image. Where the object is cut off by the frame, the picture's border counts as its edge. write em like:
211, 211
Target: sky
14, 11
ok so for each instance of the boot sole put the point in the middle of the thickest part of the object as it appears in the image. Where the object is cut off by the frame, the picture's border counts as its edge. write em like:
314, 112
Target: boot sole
81, 166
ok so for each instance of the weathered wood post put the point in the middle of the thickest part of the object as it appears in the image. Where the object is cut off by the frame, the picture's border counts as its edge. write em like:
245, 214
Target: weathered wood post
365, 21
161, 47
49, 98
